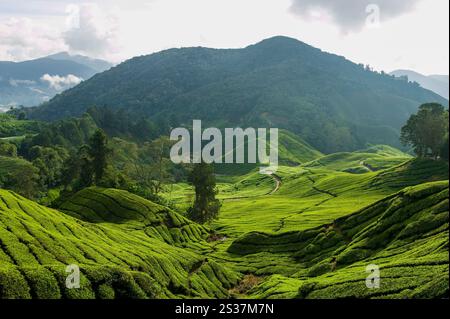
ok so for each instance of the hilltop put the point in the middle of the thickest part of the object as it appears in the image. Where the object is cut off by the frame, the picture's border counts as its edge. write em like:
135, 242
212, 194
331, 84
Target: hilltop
332, 103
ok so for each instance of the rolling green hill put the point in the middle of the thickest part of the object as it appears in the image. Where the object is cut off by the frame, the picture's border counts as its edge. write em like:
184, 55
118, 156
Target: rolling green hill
292, 151
309, 232
132, 249
11, 127
405, 234
334, 104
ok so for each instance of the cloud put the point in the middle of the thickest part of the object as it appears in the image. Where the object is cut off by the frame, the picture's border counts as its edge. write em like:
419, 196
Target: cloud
94, 31
24, 38
351, 15
85, 28
61, 82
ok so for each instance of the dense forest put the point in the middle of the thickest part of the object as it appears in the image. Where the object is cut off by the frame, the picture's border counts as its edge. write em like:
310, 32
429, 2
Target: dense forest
333, 104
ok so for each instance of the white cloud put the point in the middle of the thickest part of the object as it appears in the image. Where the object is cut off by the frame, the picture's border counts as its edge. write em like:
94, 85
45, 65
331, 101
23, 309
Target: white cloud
414, 30
61, 82
350, 15
24, 38
87, 29
93, 30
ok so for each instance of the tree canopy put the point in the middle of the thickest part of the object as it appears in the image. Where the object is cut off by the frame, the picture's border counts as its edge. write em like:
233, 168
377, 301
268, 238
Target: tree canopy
206, 207
427, 131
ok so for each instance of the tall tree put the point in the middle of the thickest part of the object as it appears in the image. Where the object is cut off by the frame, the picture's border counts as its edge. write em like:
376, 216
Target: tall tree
426, 131
206, 207
152, 169
99, 152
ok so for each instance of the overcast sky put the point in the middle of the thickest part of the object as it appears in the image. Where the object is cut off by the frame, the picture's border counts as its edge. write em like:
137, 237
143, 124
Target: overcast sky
387, 34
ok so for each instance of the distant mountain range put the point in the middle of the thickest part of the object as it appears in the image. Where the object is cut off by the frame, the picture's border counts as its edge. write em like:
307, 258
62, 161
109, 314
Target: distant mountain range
30, 83
330, 102
436, 83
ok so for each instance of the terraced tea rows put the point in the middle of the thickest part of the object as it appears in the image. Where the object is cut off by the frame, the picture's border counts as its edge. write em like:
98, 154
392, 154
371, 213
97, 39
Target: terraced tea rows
118, 256
310, 232
406, 235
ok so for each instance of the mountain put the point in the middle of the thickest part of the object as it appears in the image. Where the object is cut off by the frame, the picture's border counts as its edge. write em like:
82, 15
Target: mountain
436, 83
332, 103
95, 64
32, 82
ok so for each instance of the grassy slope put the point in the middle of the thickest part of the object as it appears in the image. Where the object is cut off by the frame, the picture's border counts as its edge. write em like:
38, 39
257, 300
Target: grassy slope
305, 240
406, 235
11, 127
292, 150
374, 158
314, 197
129, 248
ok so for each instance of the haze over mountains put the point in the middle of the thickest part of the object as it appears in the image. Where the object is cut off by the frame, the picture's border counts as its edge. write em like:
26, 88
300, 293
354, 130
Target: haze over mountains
332, 103
30, 83
436, 83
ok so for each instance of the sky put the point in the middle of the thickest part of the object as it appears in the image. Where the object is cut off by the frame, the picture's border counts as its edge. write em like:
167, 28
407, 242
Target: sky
385, 34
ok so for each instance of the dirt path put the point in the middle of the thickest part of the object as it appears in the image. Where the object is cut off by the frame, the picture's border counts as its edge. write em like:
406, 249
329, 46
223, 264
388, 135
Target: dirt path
278, 183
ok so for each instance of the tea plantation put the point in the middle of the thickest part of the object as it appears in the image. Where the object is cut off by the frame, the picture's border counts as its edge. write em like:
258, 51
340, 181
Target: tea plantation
309, 232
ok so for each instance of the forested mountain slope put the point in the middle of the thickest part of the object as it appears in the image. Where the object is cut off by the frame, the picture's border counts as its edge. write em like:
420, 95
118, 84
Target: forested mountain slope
330, 102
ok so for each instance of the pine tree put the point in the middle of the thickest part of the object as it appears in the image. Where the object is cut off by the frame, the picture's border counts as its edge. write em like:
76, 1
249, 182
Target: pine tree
206, 207
99, 151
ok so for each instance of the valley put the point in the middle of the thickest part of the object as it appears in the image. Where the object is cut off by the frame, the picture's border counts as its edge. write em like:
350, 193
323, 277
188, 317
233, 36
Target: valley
354, 204
309, 236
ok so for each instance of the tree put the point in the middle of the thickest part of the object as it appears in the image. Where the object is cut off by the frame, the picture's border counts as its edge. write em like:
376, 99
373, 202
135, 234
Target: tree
99, 152
206, 207
71, 170
8, 149
50, 162
152, 169
86, 169
24, 183
89, 164
22, 116
426, 131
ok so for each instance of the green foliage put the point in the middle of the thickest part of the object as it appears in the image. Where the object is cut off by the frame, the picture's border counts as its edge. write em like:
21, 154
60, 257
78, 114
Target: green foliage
126, 247
13, 126
309, 232
69, 133
49, 161
20, 176
8, 149
334, 104
427, 130
124, 124
206, 207
98, 150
